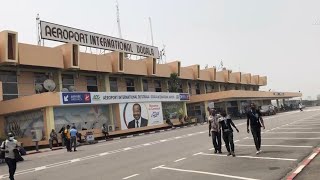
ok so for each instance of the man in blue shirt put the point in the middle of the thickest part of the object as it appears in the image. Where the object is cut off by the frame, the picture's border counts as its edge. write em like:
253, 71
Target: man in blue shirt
73, 134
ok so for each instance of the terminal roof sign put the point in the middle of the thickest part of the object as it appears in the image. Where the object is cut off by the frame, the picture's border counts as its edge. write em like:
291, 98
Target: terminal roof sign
66, 34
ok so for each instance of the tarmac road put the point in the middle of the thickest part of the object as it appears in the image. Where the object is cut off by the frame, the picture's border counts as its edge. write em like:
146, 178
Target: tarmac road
184, 153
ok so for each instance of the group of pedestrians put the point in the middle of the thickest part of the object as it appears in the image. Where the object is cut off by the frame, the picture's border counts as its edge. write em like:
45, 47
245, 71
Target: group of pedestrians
221, 125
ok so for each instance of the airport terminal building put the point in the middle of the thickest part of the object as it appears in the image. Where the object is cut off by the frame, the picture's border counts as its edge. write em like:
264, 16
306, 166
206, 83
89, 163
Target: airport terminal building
44, 88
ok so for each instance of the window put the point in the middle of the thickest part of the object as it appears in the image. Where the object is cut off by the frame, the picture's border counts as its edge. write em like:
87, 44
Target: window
190, 89
180, 87
208, 88
197, 88
39, 78
145, 85
67, 81
157, 85
92, 84
130, 85
9, 85
113, 84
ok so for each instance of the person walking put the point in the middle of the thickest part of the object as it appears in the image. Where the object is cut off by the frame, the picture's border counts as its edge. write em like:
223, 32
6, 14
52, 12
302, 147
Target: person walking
62, 135
104, 130
300, 107
254, 119
53, 137
73, 136
226, 126
67, 138
214, 131
9, 146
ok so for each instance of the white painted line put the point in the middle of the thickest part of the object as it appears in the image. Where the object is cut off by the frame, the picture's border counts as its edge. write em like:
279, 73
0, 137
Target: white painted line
147, 144
157, 167
295, 128
197, 153
285, 138
130, 136
141, 134
108, 143
103, 154
126, 149
299, 169
206, 173
285, 146
292, 132
313, 156
252, 157
131, 176
178, 137
40, 168
74, 160
163, 140
180, 159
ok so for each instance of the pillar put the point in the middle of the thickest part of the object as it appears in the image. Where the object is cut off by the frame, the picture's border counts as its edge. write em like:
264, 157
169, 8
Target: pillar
48, 121
139, 84
206, 108
57, 78
184, 105
2, 130
278, 105
105, 83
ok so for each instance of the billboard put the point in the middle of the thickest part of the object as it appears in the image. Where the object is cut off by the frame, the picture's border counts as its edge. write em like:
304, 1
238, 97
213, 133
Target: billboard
68, 98
66, 34
136, 115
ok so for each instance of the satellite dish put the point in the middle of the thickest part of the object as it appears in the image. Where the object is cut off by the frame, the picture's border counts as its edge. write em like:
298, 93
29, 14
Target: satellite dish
39, 88
49, 85
64, 90
72, 88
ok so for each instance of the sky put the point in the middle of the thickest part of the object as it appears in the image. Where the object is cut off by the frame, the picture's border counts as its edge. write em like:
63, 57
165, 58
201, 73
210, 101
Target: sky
279, 39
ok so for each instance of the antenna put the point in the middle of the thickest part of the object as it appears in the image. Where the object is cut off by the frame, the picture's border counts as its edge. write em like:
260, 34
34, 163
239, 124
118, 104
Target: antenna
38, 29
49, 85
118, 19
151, 31
39, 88
163, 54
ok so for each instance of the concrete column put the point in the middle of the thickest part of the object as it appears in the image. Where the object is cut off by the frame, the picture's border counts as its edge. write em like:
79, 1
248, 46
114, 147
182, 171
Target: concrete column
48, 121
106, 83
2, 130
278, 105
185, 108
164, 85
139, 84
57, 78
111, 115
206, 108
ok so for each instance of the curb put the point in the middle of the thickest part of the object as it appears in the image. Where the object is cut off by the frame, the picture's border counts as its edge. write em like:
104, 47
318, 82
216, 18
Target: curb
304, 163
121, 137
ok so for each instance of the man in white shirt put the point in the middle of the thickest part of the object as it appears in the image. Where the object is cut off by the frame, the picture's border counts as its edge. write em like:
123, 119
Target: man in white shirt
8, 146
138, 120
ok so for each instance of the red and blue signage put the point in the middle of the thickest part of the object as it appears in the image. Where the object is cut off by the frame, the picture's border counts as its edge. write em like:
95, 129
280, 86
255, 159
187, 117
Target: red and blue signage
76, 98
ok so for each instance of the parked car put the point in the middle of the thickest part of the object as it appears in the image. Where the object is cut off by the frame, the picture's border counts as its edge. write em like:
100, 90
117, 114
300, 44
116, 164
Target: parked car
267, 110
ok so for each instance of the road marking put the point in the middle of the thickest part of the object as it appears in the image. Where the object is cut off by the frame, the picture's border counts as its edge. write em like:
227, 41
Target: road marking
180, 159
197, 153
131, 176
74, 160
292, 132
40, 168
157, 167
103, 154
126, 149
285, 146
285, 138
251, 157
295, 128
206, 173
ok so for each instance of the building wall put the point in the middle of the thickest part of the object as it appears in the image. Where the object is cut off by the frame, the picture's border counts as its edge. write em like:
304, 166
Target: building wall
26, 86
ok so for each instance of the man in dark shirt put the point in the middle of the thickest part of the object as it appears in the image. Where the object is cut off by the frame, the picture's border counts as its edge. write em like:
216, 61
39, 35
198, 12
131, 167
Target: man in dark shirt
226, 123
254, 118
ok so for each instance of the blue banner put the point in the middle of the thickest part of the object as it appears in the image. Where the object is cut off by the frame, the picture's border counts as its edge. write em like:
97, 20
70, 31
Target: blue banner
76, 98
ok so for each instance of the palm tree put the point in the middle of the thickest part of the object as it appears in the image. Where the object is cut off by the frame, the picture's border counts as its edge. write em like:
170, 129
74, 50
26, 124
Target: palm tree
174, 83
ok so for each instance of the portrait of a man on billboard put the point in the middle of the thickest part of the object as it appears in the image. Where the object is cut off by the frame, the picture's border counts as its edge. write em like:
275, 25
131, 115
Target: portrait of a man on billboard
138, 121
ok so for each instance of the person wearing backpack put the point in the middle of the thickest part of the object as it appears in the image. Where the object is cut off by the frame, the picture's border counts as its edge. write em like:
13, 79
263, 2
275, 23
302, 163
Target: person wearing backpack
104, 130
226, 126
9, 147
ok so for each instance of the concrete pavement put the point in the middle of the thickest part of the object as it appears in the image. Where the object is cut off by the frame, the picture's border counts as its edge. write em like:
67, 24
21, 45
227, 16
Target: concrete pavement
184, 154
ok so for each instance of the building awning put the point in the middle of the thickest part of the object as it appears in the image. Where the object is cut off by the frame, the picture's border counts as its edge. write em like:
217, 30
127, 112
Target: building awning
242, 95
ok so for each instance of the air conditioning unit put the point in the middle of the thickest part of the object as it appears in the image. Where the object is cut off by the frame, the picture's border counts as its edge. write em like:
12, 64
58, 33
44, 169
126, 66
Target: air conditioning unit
110, 128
